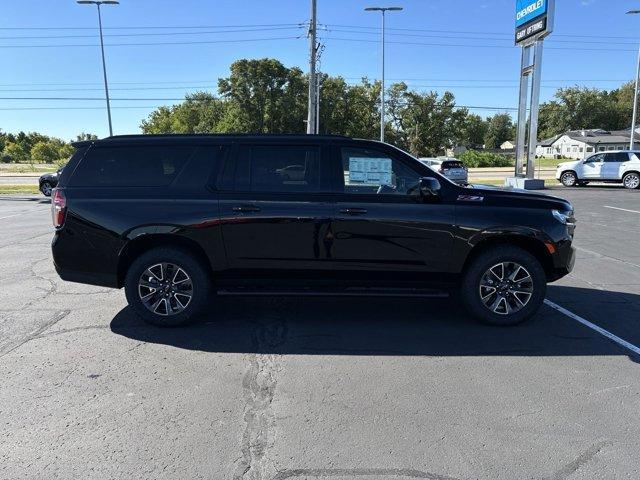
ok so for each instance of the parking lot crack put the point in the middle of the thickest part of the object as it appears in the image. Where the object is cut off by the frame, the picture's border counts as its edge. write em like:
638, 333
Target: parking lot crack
259, 387
572, 467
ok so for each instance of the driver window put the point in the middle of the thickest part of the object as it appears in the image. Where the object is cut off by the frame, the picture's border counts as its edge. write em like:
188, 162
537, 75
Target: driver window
371, 172
594, 158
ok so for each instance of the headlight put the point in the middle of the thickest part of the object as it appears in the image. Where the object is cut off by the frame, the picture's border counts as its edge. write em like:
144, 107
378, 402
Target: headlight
566, 218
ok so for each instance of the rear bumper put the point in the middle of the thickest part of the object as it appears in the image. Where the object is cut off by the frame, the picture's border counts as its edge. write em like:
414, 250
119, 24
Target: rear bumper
87, 278
66, 260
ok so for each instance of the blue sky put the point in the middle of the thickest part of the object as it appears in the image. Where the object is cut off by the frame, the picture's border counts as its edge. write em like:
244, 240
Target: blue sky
464, 46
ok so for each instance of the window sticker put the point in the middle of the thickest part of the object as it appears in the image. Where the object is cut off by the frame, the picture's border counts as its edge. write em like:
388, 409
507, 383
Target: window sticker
369, 171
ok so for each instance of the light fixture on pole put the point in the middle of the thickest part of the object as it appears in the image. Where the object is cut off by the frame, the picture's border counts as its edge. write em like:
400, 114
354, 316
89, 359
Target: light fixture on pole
382, 10
635, 96
104, 65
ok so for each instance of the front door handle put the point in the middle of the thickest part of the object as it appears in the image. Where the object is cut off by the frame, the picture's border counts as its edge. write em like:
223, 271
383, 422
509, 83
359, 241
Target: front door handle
246, 209
354, 211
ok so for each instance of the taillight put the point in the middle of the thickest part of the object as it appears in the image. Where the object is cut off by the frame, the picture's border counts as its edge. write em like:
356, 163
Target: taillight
58, 207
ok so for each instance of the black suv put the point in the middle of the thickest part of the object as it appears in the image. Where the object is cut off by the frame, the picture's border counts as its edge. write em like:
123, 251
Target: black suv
176, 218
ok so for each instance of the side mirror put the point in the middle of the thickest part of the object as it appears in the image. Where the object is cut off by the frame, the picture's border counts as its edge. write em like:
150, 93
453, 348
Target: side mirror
429, 187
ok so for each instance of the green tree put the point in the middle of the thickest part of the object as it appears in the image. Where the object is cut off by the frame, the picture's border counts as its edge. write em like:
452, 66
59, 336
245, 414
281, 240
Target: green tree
426, 124
16, 152
200, 113
474, 130
575, 108
83, 137
44, 152
263, 96
500, 129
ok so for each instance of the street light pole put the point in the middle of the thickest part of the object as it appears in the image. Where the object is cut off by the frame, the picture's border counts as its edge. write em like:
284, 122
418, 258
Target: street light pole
104, 64
635, 96
383, 10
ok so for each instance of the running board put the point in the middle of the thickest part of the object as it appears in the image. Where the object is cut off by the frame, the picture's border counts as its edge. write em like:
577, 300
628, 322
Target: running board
355, 292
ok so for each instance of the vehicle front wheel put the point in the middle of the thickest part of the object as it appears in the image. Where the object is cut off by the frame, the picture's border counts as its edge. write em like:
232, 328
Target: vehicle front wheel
503, 286
167, 287
631, 180
568, 179
46, 188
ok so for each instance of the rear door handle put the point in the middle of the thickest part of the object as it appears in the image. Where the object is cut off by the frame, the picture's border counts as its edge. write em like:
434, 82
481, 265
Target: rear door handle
246, 209
354, 211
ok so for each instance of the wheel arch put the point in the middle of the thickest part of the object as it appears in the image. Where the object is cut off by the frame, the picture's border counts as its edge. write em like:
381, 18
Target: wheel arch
143, 243
532, 245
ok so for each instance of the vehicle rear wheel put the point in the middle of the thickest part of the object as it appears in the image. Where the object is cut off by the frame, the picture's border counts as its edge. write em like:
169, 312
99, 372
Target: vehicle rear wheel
46, 188
568, 179
631, 180
504, 286
167, 287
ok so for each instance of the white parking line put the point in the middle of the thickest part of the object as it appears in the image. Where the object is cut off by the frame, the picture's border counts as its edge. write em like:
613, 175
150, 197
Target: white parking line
10, 216
592, 326
623, 209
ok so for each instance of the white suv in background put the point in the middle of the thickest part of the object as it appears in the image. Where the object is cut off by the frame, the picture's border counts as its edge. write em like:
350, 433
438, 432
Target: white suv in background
620, 166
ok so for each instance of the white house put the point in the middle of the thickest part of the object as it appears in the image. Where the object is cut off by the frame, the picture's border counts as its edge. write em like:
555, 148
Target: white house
579, 144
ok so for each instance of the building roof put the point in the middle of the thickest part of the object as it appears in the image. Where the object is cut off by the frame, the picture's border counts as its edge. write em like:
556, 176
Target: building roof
599, 136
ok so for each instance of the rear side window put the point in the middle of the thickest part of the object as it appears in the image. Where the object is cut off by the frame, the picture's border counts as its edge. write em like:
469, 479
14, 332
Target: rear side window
131, 166
279, 168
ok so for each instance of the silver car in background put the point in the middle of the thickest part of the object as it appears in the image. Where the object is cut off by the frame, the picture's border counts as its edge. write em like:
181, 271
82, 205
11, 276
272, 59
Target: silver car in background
450, 167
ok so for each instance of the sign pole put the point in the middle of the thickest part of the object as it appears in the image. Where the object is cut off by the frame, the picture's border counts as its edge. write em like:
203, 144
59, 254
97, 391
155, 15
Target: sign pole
534, 21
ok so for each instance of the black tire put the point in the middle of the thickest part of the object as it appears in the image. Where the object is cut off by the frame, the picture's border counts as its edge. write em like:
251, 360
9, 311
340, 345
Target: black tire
177, 309
569, 178
46, 188
471, 290
631, 180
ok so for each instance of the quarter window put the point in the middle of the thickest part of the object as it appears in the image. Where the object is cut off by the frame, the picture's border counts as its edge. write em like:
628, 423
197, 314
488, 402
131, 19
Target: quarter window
131, 166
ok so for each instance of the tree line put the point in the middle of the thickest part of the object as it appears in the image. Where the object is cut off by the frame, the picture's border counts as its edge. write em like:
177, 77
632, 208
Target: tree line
33, 147
264, 96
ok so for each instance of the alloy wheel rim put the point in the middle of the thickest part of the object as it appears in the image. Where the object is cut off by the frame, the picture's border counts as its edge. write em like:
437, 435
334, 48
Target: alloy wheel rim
568, 178
632, 181
46, 189
506, 288
165, 289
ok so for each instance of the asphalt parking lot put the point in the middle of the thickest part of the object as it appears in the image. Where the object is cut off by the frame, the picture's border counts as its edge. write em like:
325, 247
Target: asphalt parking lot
348, 388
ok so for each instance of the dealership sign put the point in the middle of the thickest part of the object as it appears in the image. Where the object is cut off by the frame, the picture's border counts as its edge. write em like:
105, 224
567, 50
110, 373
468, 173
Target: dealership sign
534, 19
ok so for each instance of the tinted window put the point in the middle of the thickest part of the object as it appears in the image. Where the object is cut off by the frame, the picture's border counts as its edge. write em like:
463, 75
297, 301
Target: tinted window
372, 172
278, 168
617, 157
131, 166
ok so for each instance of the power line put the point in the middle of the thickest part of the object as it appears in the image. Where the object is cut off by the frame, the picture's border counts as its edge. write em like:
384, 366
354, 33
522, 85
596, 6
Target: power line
478, 38
165, 27
199, 42
475, 45
505, 34
51, 37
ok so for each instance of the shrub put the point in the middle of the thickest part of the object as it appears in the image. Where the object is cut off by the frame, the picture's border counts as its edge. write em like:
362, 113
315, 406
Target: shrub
475, 159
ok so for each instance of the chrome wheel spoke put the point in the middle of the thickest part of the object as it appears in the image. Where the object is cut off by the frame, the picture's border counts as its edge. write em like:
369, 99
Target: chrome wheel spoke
498, 271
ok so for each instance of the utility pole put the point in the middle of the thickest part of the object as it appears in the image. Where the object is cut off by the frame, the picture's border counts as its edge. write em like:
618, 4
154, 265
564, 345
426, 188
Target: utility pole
313, 49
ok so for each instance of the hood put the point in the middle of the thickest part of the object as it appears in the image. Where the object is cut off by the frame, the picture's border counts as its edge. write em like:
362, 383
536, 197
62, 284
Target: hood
516, 197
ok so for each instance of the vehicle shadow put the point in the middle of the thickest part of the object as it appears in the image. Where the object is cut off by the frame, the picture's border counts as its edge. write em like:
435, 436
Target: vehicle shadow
374, 326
